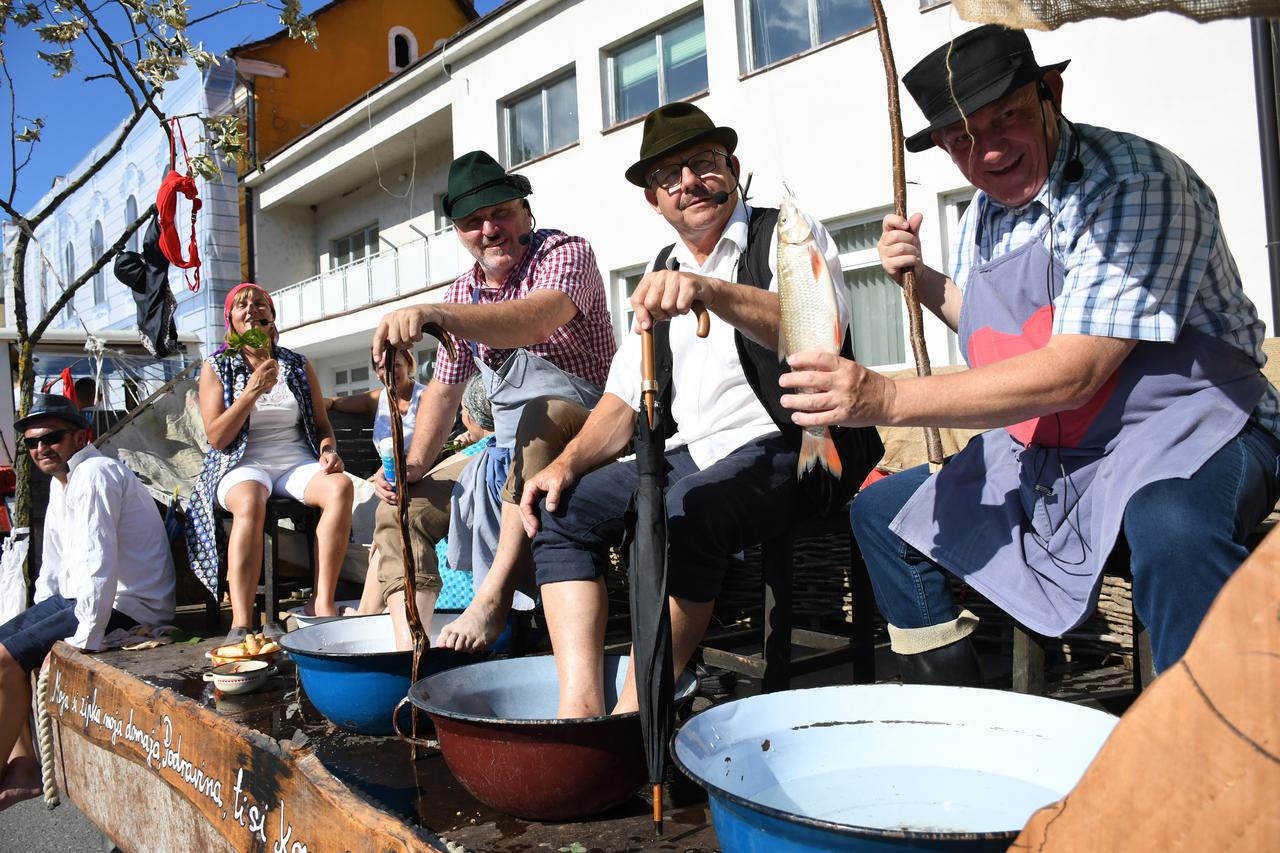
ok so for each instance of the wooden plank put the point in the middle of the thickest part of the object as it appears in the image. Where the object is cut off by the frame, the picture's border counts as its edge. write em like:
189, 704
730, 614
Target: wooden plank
252, 791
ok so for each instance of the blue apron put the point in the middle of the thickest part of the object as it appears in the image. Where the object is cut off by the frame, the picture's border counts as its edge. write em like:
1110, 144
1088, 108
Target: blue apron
1027, 515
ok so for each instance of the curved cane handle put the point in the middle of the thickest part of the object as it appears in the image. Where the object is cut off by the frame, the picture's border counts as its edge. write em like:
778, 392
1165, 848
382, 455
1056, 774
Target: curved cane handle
445, 341
704, 318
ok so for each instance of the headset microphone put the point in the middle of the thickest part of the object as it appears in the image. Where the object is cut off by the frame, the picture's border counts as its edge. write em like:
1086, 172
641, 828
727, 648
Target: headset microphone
524, 239
719, 197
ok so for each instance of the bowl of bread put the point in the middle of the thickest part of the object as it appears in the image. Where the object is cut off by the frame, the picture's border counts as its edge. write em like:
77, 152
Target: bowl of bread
252, 647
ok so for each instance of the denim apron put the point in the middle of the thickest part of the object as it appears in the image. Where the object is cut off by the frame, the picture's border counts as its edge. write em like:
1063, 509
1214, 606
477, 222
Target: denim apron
1028, 514
522, 378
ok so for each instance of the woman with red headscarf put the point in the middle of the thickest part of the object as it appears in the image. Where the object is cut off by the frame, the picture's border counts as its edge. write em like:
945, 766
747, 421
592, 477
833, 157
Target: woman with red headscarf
268, 436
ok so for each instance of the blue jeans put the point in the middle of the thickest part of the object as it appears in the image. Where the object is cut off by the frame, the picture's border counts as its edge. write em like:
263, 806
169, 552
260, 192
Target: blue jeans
1183, 538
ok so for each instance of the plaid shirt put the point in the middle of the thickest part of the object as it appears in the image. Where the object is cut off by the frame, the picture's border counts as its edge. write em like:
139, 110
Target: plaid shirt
553, 260
1141, 246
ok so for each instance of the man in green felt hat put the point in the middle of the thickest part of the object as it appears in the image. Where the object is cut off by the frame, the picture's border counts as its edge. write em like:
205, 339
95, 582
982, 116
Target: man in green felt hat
530, 316
732, 452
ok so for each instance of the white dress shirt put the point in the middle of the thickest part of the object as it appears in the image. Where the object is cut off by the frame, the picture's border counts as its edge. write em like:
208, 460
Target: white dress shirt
105, 546
716, 411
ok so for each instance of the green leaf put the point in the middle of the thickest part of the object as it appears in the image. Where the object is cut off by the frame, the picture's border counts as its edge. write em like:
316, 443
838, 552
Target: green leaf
61, 61
251, 338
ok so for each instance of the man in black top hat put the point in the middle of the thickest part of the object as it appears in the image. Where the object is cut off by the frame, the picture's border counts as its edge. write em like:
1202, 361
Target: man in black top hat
105, 565
732, 466
530, 316
1113, 352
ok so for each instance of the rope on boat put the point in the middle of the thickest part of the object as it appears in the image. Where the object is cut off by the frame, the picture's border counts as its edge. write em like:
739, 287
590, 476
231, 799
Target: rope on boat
44, 737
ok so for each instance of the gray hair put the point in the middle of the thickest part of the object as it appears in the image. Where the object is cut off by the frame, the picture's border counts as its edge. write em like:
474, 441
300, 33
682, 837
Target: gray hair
476, 402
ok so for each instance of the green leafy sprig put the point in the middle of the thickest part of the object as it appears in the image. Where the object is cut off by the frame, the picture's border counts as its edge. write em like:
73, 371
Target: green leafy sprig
251, 338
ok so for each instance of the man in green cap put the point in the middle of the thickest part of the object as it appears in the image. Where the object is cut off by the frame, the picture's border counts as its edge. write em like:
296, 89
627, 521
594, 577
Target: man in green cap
732, 456
530, 315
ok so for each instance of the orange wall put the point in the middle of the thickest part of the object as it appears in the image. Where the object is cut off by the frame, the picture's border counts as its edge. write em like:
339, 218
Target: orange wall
351, 58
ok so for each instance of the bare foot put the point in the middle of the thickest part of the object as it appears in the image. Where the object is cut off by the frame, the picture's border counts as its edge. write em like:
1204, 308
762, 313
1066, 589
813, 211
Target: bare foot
315, 607
21, 782
476, 629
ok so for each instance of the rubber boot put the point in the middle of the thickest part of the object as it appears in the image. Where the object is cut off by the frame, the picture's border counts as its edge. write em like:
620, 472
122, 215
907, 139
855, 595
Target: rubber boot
952, 665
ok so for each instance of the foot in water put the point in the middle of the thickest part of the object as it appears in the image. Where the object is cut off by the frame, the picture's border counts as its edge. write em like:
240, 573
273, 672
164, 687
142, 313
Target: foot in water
315, 608
476, 629
21, 781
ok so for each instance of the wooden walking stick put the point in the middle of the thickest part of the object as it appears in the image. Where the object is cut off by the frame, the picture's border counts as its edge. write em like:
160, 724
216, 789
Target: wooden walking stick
414, 618
932, 441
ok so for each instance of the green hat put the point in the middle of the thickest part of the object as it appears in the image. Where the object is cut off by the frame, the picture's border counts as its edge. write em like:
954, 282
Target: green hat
476, 180
670, 128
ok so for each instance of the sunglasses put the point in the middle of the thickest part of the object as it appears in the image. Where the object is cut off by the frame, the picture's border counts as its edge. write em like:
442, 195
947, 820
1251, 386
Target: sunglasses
56, 436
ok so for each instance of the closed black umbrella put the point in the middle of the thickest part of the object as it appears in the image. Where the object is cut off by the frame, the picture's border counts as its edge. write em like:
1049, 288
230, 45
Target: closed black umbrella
650, 618
647, 571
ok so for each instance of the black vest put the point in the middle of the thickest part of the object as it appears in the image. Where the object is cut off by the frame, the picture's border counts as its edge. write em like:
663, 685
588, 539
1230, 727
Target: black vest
859, 448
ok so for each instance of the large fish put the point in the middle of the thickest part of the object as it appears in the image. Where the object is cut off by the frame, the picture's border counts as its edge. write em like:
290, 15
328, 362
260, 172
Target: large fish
810, 318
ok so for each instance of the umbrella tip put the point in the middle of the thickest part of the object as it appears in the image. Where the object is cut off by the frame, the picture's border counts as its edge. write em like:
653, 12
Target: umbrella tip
657, 810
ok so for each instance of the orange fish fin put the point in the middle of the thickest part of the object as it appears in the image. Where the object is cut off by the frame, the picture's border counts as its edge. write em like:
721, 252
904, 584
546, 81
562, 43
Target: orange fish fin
818, 450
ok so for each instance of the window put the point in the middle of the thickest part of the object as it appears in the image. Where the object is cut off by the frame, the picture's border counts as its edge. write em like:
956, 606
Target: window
777, 29
875, 301
541, 121
69, 275
954, 207
130, 214
100, 277
657, 68
353, 247
624, 284
352, 380
402, 48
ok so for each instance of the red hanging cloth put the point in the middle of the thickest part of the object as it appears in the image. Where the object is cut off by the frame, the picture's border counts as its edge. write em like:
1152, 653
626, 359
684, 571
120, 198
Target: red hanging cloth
167, 208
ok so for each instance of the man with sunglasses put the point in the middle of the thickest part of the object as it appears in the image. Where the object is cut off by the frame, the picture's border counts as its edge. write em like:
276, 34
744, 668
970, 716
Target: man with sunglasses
1114, 357
105, 565
732, 453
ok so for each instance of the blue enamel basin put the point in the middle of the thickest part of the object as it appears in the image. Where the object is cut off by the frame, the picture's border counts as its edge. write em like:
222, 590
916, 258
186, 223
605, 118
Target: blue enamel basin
352, 672
885, 767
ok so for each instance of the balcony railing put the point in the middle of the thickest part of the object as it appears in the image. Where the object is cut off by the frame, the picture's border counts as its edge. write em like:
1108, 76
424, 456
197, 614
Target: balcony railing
374, 278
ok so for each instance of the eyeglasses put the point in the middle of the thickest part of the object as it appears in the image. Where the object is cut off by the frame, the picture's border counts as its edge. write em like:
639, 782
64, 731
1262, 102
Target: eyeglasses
56, 436
703, 164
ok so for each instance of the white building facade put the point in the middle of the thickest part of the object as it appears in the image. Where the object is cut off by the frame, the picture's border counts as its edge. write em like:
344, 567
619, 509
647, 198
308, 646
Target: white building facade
347, 219
93, 218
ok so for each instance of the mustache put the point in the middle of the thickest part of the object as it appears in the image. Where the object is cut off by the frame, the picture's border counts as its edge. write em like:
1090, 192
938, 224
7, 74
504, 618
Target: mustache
692, 196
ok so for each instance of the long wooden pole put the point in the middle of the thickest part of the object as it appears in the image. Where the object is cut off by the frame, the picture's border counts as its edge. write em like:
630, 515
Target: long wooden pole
932, 441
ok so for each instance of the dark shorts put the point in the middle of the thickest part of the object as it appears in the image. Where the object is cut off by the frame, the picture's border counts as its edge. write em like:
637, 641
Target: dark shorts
29, 636
742, 500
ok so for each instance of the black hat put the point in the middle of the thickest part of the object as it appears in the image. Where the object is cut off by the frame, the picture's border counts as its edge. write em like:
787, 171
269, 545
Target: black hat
670, 128
52, 406
476, 180
972, 70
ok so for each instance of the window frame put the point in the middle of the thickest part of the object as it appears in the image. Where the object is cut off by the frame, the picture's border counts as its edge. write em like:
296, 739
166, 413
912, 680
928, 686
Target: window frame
96, 250
350, 387
369, 233
654, 33
866, 259
746, 37
540, 90
130, 214
623, 316
69, 261
407, 34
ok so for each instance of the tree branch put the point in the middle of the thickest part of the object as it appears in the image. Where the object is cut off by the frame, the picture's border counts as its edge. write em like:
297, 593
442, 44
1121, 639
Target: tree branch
70, 291
94, 168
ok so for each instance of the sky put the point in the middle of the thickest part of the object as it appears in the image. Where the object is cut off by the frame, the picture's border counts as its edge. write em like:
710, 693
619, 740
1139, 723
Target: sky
78, 113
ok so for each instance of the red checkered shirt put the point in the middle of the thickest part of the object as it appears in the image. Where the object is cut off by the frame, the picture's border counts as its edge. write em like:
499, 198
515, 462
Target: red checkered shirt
553, 261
